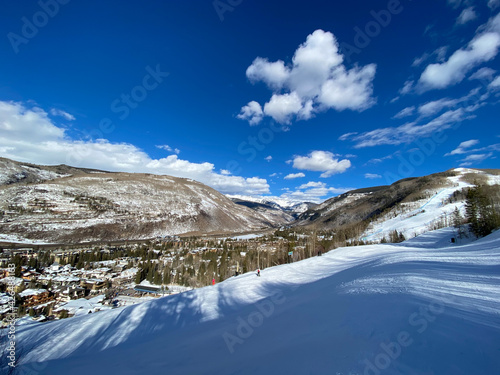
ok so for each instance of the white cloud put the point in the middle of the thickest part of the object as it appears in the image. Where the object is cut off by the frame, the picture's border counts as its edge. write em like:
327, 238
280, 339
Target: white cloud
29, 135
252, 112
462, 147
313, 192
372, 176
315, 81
457, 110
495, 84
312, 184
292, 176
454, 3
467, 15
282, 107
61, 113
268, 158
493, 4
436, 106
321, 161
438, 54
169, 149
474, 159
408, 111
380, 160
465, 148
420, 60
458, 3
483, 47
349, 89
410, 131
346, 136
313, 63
273, 74
483, 73
407, 87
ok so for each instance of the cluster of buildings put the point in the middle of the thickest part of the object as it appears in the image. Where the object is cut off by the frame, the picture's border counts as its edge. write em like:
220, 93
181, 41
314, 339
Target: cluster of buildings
63, 290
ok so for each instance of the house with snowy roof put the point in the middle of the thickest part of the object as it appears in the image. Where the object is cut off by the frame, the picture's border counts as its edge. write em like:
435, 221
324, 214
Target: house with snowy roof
82, 306
34, 297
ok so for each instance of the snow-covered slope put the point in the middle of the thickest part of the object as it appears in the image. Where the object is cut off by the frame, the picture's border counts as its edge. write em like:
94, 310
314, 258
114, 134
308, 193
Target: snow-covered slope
12, 172
411, 206
377, 309
276, 201
287, 205
417, 217
115, 206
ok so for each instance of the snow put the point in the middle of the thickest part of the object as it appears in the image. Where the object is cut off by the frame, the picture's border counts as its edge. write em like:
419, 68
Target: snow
14, 238
31, 292
144, 206
11, 171
84, 306
247, 236
16, 281
412, 308
421, 215
282, 202
129, 300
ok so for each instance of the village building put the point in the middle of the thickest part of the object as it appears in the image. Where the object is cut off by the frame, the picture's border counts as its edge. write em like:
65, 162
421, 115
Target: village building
34, 297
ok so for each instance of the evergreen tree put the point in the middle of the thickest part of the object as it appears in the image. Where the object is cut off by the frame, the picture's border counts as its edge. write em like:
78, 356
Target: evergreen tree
166, 275
157, 279
481, 213
138, 277
402, 237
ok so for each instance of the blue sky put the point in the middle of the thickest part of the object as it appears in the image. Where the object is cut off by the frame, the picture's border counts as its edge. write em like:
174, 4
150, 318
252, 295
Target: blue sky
295, 100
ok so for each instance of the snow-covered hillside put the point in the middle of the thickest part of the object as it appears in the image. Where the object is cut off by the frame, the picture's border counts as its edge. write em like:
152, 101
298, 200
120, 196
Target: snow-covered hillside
286, 204
430, 307
13, 172
114, 206
414, 218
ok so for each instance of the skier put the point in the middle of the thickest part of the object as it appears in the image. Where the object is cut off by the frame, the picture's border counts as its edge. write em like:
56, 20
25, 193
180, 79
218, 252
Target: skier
258, 272
213, 281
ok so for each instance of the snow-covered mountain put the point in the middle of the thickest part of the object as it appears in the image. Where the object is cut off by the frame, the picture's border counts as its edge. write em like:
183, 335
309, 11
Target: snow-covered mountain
288, 206
65, 204
12, 172
425, 306
410, 206
86, 205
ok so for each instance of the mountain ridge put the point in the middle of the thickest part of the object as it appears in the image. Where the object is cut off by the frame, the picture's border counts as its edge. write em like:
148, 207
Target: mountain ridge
41, 204
67, 204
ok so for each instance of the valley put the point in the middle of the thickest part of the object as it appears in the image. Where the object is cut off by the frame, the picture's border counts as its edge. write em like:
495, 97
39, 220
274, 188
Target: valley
91, 242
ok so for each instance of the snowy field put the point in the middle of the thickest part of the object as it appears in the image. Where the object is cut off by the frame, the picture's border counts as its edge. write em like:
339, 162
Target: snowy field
421, 307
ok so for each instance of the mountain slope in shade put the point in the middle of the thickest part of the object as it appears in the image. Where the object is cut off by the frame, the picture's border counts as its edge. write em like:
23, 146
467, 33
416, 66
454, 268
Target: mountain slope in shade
377, 309
93, 205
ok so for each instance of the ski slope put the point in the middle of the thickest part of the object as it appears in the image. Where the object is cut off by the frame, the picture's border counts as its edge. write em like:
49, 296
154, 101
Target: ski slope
420, 307
421, 218
426, 212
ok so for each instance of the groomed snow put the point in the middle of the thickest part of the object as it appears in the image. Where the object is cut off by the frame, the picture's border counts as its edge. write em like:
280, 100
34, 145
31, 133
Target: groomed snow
377, 309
